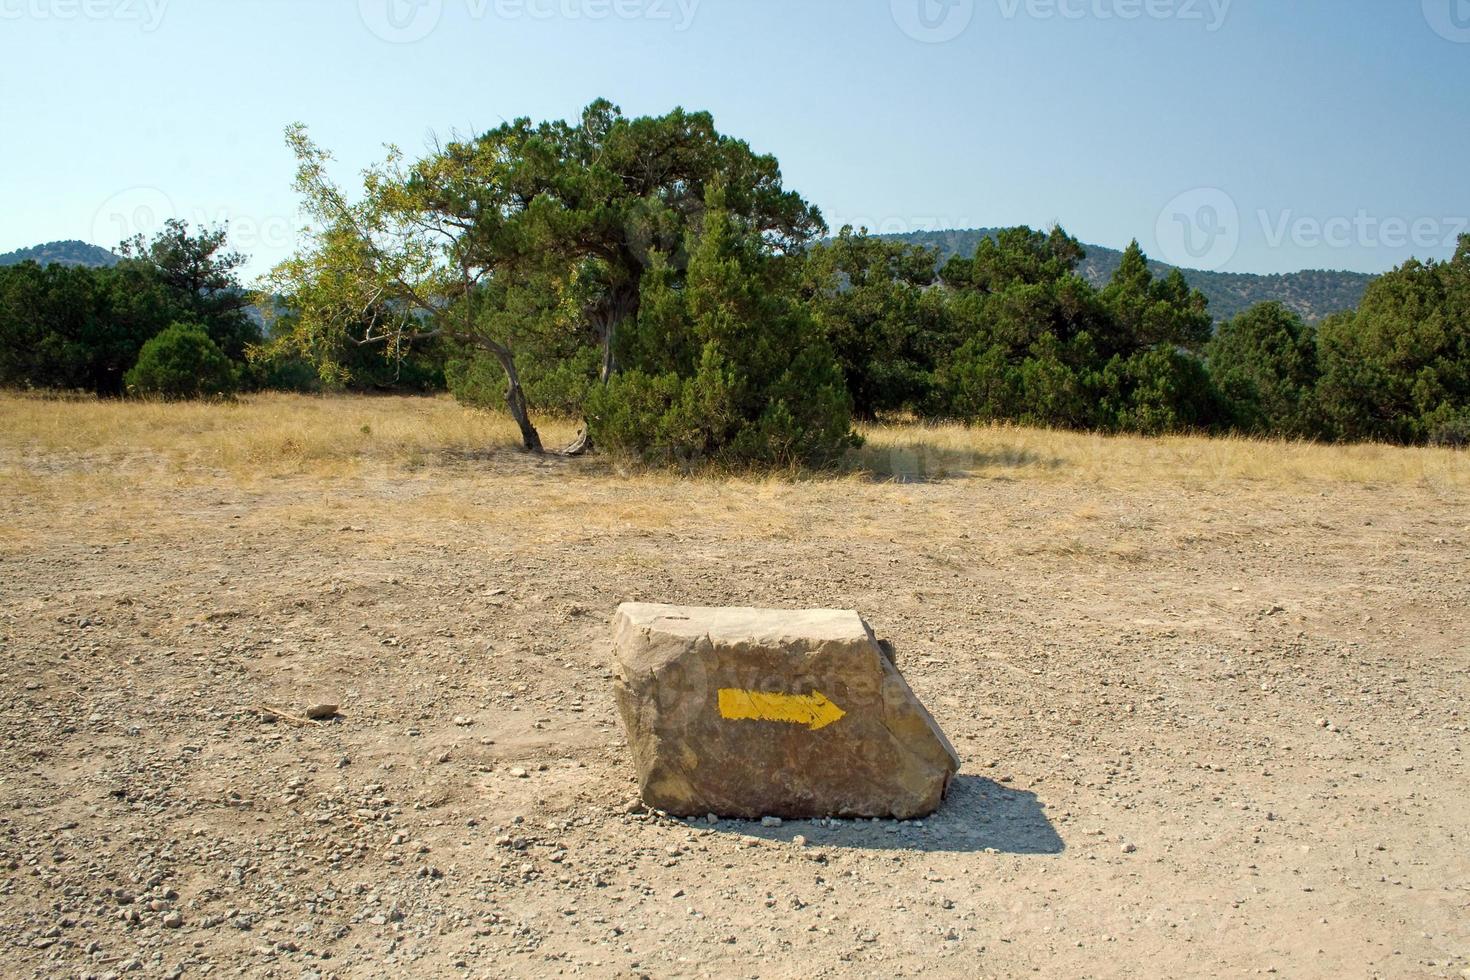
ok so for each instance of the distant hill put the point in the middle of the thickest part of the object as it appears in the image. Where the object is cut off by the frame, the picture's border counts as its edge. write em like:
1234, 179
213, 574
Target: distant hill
62, 253
1313, 294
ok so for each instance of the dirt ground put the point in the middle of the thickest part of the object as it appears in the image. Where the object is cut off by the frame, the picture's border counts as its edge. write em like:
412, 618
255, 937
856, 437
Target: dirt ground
1210, 727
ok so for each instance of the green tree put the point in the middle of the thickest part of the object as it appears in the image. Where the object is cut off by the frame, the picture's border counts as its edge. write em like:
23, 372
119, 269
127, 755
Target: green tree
1147, 311
873, 301
1039, 345
1264, 365
559, 217
743, 376
76, 328
201, 277
1158, 390
1399, 368
182, 362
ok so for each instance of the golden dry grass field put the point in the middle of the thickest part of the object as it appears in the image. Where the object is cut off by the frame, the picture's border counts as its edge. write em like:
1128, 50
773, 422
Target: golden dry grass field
1210, 697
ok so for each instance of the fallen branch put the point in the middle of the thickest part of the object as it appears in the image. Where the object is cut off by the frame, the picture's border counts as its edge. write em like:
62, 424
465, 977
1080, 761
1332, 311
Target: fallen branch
267, 712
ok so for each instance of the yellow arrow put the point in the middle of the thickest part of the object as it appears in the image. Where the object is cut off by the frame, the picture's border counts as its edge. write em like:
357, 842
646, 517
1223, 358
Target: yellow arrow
812, 710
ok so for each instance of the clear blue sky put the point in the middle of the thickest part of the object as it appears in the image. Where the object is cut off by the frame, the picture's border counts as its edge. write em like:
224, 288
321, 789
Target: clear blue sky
1213, 130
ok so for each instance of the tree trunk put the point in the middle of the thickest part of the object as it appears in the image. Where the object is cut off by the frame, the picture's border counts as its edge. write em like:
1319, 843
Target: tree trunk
620, 305
515, 399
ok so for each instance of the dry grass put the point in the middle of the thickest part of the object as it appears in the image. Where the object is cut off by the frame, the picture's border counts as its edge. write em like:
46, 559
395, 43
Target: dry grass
275, 435
941, 451
263, 435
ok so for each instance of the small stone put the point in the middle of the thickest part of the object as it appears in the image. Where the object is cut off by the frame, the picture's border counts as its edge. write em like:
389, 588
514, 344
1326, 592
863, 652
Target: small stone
519, 773
770, 821
173, 920
322, 712
1129, 848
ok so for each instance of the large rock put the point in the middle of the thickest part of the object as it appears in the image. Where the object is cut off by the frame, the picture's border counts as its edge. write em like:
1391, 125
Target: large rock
750, 713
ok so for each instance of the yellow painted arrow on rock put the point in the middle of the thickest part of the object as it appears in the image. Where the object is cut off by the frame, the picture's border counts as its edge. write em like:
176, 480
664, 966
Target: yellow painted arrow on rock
812, 710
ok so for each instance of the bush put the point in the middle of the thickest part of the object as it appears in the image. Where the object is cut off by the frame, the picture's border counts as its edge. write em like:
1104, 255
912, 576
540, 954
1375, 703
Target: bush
729, 369
1157, 391
182, 362
872, 300
1399, 368
1043, 347
1264, 364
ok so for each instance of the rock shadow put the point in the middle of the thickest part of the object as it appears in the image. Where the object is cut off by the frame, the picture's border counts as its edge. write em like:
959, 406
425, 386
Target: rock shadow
978, 815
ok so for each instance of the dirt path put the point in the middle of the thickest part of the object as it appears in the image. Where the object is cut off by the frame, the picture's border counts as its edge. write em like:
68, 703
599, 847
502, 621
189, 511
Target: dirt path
1210, 730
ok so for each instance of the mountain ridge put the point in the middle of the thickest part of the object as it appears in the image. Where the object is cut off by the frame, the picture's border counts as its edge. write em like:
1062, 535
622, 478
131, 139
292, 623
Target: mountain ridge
1312, 293
69, 252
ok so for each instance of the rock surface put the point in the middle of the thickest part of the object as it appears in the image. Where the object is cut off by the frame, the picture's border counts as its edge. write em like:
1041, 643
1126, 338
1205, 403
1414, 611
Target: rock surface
750, 713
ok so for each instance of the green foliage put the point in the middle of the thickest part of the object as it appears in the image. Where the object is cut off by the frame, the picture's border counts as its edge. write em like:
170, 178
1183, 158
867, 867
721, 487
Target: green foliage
1264, 364
1399, 368
182, 362
75, 327
730, 369
871, 299
490, 241
1043, 347
202, 281
556, 382
1312, 294
1158, 390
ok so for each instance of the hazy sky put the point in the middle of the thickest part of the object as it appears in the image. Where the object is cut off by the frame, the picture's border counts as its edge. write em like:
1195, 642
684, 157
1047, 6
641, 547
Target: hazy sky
1248, 135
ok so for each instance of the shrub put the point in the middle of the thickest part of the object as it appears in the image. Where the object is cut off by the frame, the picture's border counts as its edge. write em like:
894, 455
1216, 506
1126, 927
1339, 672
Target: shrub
1399, 368
182, 362
729, 369
1264, 364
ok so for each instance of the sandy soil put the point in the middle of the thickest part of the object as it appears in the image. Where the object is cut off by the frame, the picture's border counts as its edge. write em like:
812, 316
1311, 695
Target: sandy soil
1209, 728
